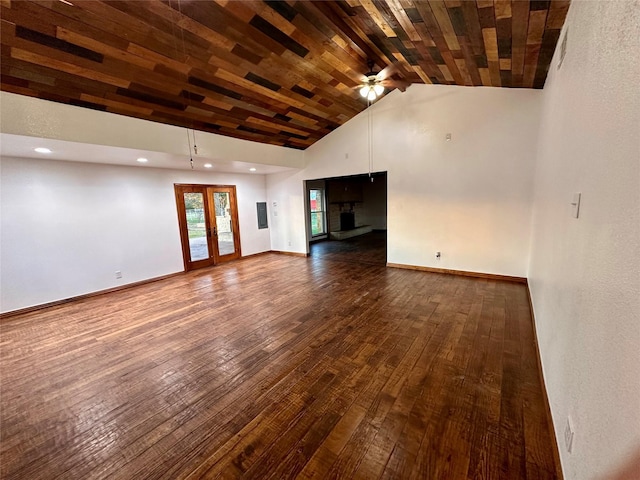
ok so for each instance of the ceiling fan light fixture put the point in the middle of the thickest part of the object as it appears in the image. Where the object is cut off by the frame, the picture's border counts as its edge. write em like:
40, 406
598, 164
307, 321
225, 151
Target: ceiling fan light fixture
371, 89
371, 92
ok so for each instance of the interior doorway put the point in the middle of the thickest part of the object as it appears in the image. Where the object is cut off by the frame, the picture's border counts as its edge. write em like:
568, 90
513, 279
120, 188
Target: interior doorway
347, 217
209, 226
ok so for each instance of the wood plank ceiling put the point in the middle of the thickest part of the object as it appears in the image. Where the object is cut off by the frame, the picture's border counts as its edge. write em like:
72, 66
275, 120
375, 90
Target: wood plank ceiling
277, 72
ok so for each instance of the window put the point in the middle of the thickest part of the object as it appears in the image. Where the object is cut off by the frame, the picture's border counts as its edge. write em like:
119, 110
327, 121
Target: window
316, 206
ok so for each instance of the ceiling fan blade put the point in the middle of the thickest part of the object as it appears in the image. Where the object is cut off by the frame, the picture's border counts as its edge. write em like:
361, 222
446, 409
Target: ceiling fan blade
398, 83
387, 72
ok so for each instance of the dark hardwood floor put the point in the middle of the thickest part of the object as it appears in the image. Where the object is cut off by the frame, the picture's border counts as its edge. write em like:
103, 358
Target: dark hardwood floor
370, 248
278, 367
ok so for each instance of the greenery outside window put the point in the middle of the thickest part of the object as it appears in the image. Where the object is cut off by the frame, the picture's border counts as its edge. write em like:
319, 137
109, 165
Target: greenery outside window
317, 208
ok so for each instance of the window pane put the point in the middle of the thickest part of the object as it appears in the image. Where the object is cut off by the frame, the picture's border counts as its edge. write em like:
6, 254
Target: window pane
315, 201
317, 223
194, 208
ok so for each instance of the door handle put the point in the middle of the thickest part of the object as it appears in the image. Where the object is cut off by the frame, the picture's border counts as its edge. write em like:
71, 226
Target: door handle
215, 232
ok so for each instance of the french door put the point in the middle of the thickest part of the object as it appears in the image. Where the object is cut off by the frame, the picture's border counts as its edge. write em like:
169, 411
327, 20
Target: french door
209, 227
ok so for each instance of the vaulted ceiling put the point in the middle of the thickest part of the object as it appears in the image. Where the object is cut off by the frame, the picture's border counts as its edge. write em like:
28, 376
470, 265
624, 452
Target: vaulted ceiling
277, 72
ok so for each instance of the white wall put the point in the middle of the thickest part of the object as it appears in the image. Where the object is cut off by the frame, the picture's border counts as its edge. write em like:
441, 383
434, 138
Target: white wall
585, 273
288, 221
469, 198
66, 227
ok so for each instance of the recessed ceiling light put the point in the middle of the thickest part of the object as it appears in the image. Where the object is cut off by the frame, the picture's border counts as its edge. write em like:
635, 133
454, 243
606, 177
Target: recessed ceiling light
42, 150
142, 160
207, 165
252, 169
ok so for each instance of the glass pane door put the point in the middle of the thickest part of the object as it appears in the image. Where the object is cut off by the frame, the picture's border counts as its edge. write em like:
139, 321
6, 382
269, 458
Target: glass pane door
209, 227
227, 242
196, 226
221, 202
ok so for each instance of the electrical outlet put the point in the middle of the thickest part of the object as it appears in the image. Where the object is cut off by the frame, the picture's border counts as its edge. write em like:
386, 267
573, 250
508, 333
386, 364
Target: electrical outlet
568, 435
437, 255
118, 274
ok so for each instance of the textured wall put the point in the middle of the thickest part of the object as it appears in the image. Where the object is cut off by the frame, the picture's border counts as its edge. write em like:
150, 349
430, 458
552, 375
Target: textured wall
585, 273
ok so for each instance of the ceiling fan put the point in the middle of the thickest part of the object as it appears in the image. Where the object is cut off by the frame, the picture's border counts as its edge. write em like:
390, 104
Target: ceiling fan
375, 82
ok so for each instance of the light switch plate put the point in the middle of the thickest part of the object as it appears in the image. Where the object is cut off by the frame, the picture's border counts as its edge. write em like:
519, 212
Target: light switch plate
575, 205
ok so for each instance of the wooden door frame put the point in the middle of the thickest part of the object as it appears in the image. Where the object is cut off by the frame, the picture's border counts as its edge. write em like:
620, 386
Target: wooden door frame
179, 190
214, 258
235, 224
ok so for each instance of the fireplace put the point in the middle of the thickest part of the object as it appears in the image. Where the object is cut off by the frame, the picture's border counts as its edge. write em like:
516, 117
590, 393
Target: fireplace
347, 221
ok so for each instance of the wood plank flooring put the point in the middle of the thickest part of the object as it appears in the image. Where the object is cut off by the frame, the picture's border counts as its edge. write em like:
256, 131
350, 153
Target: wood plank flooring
370, 248
278, 367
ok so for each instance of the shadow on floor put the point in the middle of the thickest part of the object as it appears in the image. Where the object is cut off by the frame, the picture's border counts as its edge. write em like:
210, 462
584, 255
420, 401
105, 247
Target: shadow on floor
370, 248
